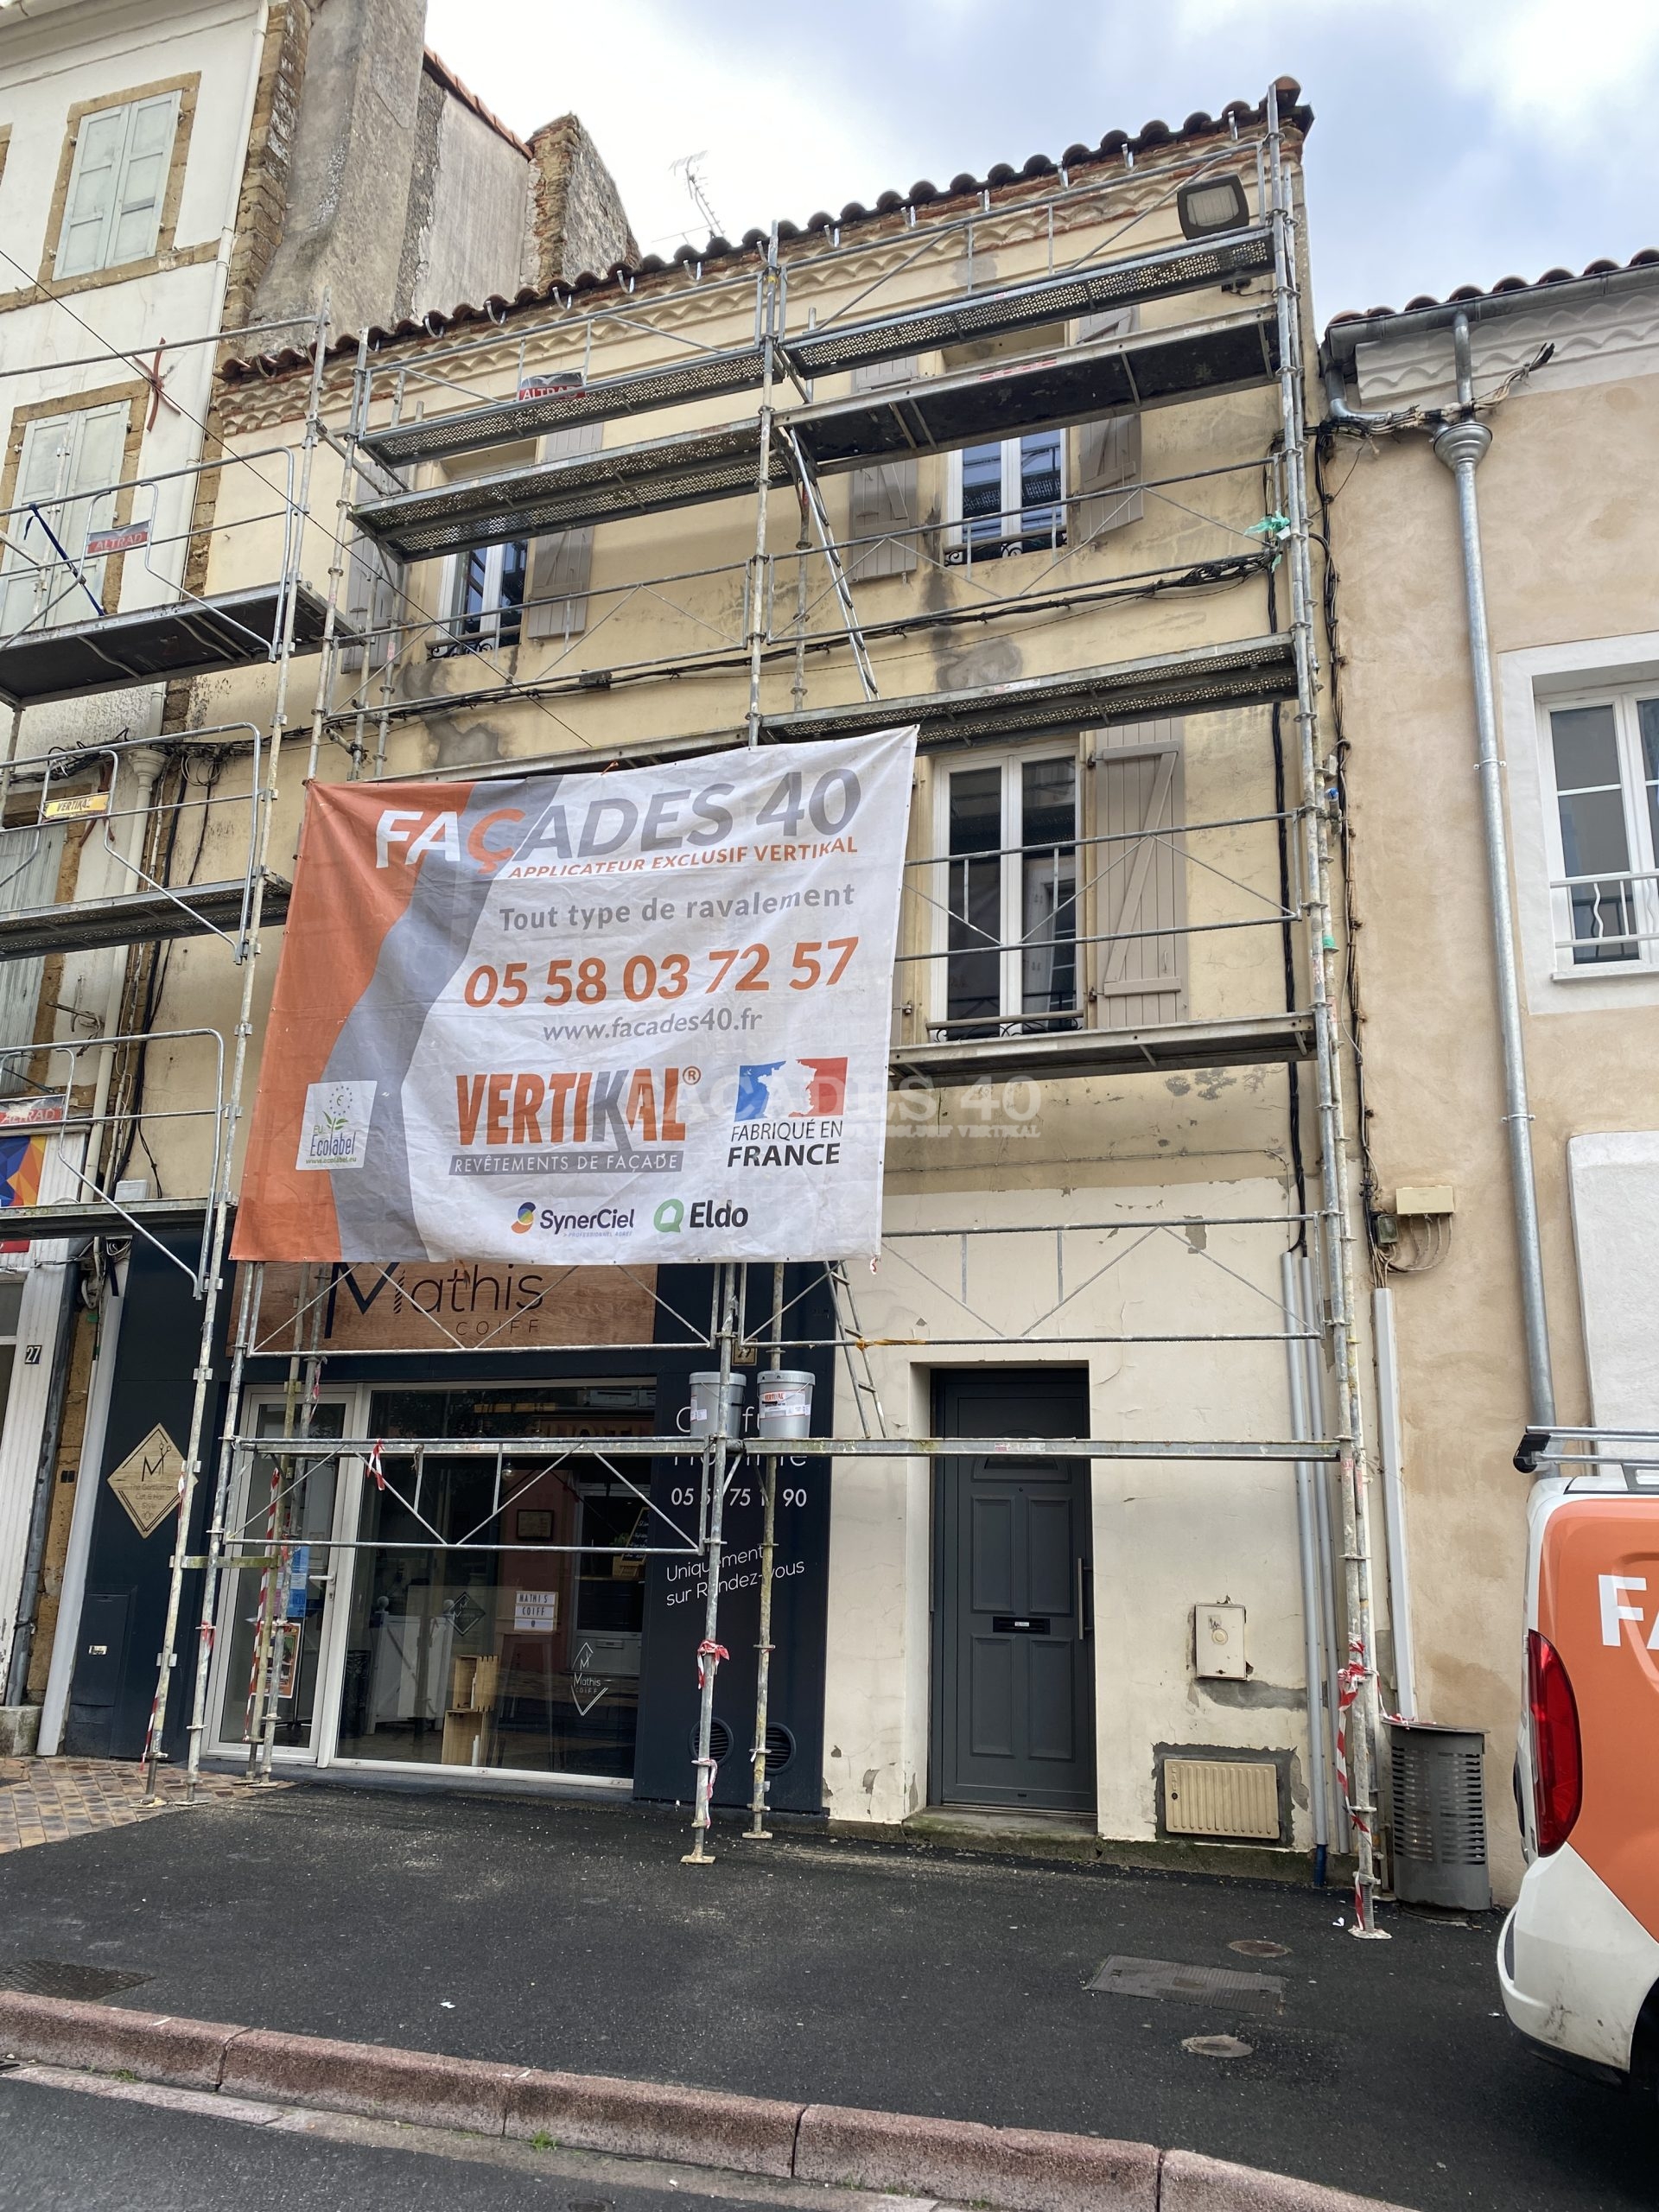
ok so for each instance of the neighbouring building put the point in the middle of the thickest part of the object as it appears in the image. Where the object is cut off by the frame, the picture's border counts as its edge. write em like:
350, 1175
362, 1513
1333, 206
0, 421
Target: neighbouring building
1508, 1313
171, 171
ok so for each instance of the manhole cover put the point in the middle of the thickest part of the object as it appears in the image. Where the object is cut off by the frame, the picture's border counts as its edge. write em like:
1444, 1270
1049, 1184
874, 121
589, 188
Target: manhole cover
1217, 2046
1258, 1947
1165, 1978
59, 1978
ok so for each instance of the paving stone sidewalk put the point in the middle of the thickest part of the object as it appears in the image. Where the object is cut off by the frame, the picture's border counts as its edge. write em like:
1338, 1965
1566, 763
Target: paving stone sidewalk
49, 1800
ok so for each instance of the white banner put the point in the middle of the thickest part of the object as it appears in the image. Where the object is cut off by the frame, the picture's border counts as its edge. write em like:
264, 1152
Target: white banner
635, 1016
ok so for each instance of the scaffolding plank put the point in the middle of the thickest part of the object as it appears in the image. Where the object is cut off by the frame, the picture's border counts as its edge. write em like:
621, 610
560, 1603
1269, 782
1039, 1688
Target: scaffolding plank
100, 1217
1108, 376
1256, 1041
135, 918
1245, 672
834, 350
152, 644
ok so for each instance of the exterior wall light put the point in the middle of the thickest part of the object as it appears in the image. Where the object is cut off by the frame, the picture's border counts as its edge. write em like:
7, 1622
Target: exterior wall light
1211, 206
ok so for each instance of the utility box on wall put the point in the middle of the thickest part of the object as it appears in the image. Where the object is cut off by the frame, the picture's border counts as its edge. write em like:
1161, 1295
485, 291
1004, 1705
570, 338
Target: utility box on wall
1218, 1642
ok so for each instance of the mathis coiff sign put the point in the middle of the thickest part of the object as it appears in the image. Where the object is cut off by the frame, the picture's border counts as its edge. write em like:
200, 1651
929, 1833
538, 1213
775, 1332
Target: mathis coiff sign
637, 1016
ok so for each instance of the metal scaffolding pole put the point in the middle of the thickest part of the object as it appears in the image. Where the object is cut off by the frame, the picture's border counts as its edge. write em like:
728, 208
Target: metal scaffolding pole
1357, 1682
221, 1197
247, 1329
758, 1832
734, 1283
767, 333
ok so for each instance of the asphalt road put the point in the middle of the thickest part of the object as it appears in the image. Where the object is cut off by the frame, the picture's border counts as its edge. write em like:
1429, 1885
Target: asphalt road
555, 1935
61, 2151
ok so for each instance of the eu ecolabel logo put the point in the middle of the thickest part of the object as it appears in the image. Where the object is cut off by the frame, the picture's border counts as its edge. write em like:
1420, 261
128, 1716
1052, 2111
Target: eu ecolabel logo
334, 1131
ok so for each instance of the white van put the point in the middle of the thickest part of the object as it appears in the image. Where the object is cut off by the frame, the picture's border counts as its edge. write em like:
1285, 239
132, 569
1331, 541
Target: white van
1578, 1958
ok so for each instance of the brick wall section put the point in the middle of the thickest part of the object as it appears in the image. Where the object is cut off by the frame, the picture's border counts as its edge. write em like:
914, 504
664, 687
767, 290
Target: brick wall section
577, 219
270, 142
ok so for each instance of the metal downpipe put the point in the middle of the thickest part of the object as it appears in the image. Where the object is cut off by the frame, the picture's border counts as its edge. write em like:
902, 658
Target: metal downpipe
1462, 446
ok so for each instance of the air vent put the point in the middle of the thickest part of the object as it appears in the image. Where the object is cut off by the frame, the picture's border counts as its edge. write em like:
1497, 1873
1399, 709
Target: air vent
1236, 1799
720, 1740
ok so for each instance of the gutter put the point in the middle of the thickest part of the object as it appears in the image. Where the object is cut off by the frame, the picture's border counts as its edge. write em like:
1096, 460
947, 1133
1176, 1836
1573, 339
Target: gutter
1461, 442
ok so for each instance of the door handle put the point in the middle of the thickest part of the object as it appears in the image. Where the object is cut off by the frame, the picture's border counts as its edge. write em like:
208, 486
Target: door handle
1083, 1623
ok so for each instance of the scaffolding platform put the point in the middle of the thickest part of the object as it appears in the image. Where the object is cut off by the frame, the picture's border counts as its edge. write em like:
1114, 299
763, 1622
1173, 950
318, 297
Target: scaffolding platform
153, 644
833, 351
1259, 1040
1203, 679
83, 1217
1076, 384
137, 918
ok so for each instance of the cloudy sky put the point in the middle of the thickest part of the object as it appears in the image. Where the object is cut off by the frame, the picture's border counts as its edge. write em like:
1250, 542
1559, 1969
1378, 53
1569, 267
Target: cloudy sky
1457, 141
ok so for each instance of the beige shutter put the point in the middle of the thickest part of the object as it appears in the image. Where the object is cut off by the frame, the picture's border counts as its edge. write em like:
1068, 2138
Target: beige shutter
1109, 451
1139, 881
883, 499
561, 565
371, 604
30, 861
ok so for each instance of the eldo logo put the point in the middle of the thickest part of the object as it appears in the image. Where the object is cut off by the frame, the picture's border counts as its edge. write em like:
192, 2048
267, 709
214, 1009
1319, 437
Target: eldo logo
669, 1216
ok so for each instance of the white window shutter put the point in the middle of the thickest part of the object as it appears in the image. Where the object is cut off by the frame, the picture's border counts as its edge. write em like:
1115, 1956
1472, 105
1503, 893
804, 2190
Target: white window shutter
137, 219
882, 500
98, 449
562, 564
29, 561
94, 182
28, 877
1109, 451
1139, 883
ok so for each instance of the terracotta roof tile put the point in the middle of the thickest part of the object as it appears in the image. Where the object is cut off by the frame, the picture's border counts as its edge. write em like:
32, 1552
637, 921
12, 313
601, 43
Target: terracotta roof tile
1152, 137
1647, 256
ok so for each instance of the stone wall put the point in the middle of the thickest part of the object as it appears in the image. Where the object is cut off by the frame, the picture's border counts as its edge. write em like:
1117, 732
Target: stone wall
577, 217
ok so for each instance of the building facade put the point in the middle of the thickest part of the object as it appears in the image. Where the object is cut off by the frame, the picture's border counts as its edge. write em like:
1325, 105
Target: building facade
168, 174
1004, 460
1558, 410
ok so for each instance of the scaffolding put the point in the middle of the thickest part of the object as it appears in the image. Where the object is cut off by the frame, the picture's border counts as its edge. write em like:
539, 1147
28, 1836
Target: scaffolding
795, 610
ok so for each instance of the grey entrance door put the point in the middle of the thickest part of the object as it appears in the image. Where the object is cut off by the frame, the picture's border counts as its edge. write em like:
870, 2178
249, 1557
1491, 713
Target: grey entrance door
1013, 1647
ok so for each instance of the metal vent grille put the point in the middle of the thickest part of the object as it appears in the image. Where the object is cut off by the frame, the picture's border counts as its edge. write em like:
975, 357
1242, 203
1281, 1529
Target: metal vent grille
1222, 1797
1439, 1803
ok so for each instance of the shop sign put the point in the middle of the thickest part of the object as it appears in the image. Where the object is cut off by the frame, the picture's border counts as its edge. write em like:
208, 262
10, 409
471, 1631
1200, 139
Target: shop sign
588, 1020
148, 1481
484, 1305
534, 1612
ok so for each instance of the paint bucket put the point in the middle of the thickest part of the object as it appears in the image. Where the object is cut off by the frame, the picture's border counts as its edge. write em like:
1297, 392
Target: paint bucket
704, 1420
785, 1402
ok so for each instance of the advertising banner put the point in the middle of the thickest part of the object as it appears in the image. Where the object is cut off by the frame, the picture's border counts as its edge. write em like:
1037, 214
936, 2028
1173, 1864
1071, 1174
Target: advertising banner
588, 1020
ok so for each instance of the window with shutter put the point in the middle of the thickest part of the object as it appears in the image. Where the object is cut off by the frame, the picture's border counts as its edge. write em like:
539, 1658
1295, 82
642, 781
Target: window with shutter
112, 211
1108, 452
1136, 877
29, 863
562, 564
882, 500
66, 472
1005, 894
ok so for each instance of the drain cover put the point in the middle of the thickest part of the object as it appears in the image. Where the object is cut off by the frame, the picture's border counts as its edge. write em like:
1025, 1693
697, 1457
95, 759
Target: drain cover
1217, 2046
1258, 1947
1145, 1978
59, 1978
